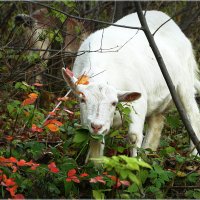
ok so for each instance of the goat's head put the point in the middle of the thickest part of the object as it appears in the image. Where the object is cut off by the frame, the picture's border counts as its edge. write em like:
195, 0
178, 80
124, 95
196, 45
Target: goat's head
98, 103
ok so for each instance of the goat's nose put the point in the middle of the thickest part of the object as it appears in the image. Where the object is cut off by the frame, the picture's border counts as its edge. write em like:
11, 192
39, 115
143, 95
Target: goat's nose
96, 127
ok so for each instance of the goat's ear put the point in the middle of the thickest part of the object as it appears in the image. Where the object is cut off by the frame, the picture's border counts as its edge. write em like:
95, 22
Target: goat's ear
70, 79
128, 96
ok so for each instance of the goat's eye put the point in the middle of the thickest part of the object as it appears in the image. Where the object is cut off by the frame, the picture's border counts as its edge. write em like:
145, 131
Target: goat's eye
114, 103
82, 100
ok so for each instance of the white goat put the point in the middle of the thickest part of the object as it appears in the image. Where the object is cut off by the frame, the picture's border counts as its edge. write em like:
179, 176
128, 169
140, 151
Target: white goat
130, 73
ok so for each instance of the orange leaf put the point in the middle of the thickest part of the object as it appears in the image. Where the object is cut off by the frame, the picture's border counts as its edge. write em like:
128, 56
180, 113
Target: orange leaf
53, 121
28, 101
10, 182
69, 72
33, 95
52, 127
83, 79
53, 168
9, 138
36, 129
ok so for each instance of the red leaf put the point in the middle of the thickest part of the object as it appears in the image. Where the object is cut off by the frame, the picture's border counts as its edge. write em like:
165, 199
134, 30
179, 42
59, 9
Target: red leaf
69, 72
75, 179
34, 166
71, 173
84, 175
93, 180
126, 183
19, 196
21, 163
53, 168
97, 179
12, 190
36, 129
9, 182
12, 159
14, 168
52, 113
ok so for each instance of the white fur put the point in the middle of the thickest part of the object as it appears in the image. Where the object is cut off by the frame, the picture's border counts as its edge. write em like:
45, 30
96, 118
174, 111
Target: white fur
127, 64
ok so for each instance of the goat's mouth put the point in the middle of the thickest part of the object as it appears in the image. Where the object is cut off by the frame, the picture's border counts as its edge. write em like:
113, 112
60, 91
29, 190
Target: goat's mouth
102, 132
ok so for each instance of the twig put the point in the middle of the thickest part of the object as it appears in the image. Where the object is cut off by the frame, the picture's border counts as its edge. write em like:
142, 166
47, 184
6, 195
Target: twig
85, 19
59, 103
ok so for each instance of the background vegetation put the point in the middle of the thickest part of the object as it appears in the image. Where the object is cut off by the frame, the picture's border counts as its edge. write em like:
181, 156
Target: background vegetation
36, 153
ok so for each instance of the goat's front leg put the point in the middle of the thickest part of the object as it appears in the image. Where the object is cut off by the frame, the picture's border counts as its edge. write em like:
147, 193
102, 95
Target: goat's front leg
136, 127
96, 150
153, 133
